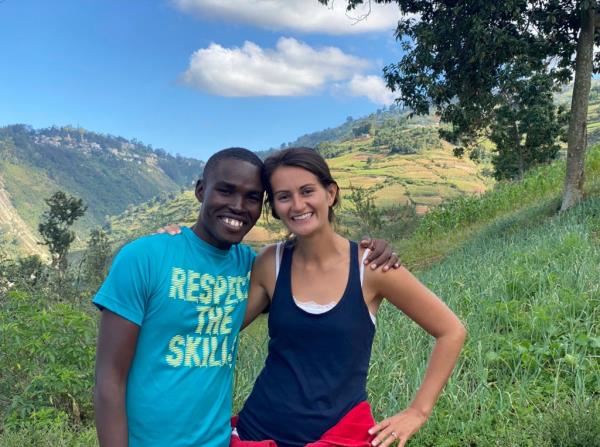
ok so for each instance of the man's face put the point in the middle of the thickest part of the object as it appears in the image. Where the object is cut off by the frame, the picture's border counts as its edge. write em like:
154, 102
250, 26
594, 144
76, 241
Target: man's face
232, 197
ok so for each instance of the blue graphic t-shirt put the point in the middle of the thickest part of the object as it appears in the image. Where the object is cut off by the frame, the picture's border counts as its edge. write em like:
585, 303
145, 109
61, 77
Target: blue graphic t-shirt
189, 299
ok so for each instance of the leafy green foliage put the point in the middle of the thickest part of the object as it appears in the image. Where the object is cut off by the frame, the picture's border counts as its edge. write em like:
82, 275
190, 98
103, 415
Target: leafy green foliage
363, 207
527, 127
96, 258
400, 139
329, 150
62, 213
47, 363
468, 59
362, 129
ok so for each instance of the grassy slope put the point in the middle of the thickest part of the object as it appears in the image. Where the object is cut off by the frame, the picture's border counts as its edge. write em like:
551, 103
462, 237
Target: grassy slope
527, 290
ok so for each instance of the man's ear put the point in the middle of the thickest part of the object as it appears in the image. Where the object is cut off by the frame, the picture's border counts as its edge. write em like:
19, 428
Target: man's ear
200, 190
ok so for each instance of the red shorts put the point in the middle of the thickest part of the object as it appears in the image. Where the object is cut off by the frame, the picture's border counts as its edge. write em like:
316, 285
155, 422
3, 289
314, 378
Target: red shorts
351, 431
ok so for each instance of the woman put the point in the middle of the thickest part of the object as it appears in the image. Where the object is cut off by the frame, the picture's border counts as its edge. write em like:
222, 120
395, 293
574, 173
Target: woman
322, 322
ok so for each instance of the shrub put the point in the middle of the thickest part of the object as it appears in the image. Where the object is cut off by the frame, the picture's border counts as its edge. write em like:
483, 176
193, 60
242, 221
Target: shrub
47, 362
571, 425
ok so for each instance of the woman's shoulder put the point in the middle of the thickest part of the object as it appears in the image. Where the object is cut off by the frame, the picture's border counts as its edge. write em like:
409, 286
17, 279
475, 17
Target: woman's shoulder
263, 271
264, 265
266, 253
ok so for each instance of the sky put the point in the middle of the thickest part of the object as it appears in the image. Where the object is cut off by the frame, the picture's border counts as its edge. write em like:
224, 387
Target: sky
193, 76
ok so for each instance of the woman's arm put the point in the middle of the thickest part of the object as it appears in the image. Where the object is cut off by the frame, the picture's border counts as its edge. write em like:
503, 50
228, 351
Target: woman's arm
262, 283
421, 305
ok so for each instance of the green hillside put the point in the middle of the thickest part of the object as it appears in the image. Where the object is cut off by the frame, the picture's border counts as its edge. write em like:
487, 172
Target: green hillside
400, 160
346, 130
109, 173
421, 180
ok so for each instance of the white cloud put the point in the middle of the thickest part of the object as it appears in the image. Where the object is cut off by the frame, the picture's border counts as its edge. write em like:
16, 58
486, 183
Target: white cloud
373, 87
297, 15
293, 68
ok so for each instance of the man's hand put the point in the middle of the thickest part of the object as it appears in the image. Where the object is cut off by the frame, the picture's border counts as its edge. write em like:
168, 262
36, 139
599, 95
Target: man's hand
171, 229
380, 253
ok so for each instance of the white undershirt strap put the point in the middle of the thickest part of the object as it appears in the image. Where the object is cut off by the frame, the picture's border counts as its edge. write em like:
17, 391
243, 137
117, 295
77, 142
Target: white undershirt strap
362, 265
277, 259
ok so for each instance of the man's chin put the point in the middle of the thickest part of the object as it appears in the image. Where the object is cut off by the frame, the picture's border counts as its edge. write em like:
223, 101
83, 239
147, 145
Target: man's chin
234, 238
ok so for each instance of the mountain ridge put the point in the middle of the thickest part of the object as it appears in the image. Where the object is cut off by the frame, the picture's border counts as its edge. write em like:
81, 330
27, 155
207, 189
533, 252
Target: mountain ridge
109, 173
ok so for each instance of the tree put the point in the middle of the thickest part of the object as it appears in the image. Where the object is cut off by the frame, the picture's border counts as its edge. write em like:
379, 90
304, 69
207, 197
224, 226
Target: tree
365, 210
362, 129
96, 258
458, 51
527, 126
55, 226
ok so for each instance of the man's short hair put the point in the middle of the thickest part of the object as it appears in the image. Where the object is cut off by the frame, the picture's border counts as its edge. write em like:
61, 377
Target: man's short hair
238, 153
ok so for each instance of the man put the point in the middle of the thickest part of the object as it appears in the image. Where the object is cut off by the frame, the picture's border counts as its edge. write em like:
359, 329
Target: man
173, 307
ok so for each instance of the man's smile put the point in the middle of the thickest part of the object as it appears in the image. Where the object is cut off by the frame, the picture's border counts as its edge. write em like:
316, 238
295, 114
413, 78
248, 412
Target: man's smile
232, 223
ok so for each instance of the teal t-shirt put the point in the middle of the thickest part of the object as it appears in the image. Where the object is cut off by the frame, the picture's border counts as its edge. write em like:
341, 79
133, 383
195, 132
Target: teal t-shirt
189, 299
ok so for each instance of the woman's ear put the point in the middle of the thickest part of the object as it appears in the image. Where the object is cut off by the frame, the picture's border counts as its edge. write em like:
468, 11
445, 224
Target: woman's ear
332, 193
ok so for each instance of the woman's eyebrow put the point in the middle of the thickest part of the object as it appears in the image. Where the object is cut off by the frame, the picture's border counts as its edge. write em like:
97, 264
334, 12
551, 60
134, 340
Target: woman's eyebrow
300, 187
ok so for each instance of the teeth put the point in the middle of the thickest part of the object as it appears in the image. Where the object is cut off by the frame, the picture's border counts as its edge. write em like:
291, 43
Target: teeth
233, 222
302, 216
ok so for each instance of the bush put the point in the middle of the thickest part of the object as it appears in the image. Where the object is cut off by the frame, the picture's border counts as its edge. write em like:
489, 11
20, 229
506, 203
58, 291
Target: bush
47, 362
571, 425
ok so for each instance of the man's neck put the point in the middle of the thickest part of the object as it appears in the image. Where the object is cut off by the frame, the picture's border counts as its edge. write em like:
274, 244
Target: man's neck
199, 231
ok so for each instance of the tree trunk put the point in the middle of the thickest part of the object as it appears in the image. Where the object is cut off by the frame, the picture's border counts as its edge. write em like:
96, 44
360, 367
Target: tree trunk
577, 137
519, 150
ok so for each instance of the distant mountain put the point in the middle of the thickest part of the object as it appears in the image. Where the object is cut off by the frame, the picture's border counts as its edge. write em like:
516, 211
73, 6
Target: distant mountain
109, 173
346, 130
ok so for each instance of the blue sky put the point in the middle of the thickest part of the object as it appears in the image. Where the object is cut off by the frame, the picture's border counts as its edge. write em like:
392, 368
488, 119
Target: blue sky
192, 76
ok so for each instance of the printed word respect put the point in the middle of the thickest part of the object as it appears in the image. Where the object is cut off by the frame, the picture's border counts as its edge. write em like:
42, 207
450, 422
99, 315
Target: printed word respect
207, 289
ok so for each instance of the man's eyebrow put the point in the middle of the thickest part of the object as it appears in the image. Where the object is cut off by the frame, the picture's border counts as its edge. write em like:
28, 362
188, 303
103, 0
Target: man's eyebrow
222, 183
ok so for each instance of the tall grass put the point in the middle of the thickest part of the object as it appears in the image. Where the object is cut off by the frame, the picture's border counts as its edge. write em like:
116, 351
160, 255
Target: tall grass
539, 184
453, 223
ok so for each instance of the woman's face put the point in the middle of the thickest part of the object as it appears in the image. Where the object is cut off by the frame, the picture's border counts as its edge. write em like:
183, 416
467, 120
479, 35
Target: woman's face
301, 202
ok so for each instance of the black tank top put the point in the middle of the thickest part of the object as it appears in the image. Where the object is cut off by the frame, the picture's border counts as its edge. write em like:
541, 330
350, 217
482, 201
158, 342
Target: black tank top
316, 367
